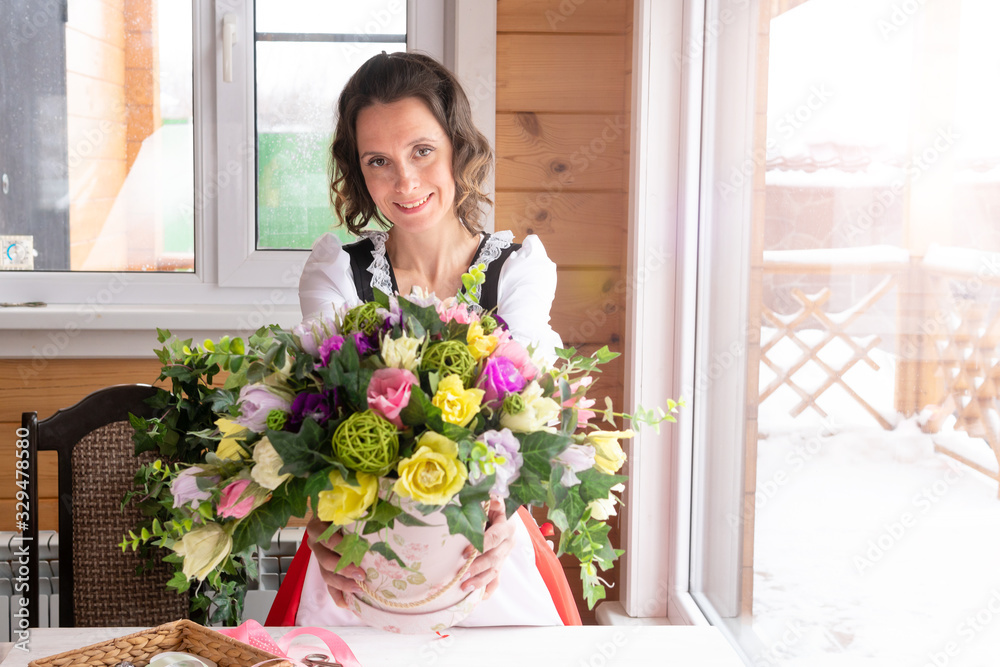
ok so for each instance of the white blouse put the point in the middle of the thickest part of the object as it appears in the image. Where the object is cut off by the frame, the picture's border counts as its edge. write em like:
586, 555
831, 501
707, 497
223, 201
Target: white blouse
524, 295
525, 292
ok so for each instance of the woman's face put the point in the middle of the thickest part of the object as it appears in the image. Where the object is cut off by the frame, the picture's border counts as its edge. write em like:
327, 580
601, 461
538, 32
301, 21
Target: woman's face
405, 157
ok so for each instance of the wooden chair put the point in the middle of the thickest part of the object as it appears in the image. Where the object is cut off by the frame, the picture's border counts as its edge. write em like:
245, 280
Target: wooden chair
98, 584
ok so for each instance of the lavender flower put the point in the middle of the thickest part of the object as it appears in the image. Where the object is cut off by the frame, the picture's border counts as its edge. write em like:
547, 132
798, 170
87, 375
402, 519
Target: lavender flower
185, 489
328, 347
575, 458
317, 407
256, 403
496, 452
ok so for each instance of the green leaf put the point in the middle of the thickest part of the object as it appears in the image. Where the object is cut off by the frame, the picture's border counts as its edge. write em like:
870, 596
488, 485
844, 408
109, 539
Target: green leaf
302, 452
381, 298
595, 485
260, 526
384, 513
527, 489
468, 520
410, 520
386, 552
539, 448
352, 548
565, 352
604, 355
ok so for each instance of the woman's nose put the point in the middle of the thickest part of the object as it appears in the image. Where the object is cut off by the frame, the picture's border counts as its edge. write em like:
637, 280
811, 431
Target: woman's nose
406, 178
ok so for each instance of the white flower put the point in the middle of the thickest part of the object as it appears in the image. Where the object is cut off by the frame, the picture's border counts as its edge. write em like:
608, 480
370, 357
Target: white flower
401, 352
267, 464
538, 411
601, 509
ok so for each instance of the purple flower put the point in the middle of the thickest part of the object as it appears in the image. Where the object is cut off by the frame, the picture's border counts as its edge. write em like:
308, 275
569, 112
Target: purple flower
575, 458
317, 407
328, 347
185, 489
502, 456
256, 403
499, 378
363, 343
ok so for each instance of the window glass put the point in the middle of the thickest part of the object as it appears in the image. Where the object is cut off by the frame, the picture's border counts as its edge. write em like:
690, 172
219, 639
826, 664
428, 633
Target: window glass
870, 519
299, 76
96, 136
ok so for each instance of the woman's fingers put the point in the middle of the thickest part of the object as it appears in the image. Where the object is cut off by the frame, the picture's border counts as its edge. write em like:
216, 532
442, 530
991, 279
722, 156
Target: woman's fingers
498, 542
338, 583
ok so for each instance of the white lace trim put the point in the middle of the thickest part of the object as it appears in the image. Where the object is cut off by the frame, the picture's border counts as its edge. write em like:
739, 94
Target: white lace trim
379, 268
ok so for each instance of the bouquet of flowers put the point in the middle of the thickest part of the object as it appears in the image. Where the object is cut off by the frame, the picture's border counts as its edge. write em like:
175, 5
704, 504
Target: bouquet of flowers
384, 414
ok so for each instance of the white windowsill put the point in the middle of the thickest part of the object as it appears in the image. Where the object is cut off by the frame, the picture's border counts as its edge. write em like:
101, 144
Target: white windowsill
74, 331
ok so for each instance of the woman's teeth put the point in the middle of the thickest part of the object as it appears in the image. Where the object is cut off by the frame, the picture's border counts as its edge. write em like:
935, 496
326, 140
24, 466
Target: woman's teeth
415, 204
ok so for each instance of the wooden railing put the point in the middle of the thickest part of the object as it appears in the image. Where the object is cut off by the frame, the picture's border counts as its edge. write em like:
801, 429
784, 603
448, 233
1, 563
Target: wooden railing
946, 337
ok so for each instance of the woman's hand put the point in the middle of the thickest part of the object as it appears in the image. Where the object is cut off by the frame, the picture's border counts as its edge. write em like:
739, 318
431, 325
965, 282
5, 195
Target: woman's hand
498, 542
338, 583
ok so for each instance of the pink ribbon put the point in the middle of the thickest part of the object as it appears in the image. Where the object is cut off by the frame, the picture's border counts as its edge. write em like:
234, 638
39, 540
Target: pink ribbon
253, 634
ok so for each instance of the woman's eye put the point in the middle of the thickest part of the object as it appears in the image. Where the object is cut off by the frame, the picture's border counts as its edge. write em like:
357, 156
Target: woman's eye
376, 162
424, 152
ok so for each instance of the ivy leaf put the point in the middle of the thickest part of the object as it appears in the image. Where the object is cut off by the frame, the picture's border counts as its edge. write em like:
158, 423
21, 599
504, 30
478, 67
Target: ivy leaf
301, 451
565, 352
410, 520
539, 448
595, 485
468, 520
604, 355
527, 489
352, 548
260, 526
386, 552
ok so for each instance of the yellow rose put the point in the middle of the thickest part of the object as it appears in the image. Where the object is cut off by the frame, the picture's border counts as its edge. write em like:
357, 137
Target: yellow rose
401, 352
480, 345
433, 474
267, 465
203, 549
346, 504
458, 405
538, 411
609, 456
230, 447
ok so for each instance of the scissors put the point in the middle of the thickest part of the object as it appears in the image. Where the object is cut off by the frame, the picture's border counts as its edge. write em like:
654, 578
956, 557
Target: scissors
319, 660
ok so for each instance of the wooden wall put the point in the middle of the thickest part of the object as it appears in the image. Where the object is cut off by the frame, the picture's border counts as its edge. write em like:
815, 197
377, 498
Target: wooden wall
563, 93
46, 385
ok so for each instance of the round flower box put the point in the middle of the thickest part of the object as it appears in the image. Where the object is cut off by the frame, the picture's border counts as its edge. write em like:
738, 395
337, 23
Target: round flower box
424, 596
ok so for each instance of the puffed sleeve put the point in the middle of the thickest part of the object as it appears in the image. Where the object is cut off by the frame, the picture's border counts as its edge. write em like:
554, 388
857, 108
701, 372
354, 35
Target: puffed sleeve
524, 297
327, 282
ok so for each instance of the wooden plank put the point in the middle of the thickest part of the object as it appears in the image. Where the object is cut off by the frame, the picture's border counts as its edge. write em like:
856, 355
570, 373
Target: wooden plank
560, 151
48, 384
44, 477
577, 228
589, 306
562, 16
560, 73
48, 520
95, 58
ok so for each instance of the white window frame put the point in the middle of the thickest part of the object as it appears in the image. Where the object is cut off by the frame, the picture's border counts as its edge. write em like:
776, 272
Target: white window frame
235, 288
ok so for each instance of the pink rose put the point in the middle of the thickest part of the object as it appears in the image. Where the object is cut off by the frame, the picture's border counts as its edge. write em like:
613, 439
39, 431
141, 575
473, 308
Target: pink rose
519, 357
450, 309
389, 392
230, 505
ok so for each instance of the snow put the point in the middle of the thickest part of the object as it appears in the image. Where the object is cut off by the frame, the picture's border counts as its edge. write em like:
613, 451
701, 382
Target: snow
875, 550
963, 260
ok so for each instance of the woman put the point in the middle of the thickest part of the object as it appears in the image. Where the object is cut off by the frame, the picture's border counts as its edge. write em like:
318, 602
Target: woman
409, 159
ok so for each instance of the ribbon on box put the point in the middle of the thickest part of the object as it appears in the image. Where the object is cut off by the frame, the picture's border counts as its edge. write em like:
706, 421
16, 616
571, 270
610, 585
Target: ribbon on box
253, 634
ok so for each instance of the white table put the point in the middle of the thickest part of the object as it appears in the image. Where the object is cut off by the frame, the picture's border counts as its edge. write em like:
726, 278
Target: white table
581, 646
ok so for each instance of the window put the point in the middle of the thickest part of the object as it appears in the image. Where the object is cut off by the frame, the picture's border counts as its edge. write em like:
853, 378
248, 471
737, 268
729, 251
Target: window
219, 186
846, 442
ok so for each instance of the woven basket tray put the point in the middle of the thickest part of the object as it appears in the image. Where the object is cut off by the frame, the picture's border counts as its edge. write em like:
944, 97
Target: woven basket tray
182, 635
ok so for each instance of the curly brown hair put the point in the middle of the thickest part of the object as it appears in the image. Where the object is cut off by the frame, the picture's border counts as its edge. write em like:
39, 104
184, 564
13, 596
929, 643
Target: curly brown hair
387, 78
